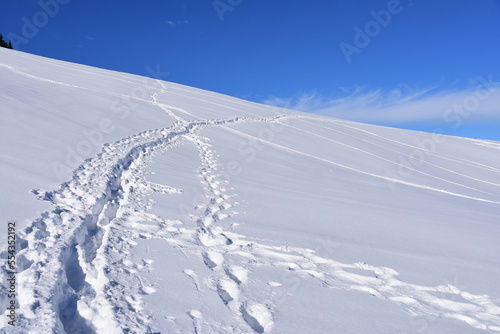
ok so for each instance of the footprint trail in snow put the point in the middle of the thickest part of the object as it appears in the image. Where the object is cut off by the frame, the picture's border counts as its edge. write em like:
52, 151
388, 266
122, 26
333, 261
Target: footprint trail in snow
77, 275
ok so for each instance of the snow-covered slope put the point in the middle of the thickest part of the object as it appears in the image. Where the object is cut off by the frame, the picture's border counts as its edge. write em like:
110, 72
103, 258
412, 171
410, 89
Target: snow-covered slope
143, 206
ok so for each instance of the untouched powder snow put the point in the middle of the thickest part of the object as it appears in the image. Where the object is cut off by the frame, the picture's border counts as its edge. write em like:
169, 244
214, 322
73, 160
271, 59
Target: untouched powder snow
143, 206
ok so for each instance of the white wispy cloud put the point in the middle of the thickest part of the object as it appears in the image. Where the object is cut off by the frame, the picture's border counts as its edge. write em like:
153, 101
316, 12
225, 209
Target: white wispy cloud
478, 102
174, 24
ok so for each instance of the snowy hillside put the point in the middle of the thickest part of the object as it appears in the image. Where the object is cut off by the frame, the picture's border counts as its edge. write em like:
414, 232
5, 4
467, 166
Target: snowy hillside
142, 206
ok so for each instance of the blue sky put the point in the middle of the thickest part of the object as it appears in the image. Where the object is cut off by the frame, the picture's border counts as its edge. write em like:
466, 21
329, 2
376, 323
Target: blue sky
418, 64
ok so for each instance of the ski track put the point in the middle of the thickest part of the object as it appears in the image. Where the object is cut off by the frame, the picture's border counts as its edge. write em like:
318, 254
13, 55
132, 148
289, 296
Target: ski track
355, 170
92, 90
395, 163
403, 154
75, 268
441, 156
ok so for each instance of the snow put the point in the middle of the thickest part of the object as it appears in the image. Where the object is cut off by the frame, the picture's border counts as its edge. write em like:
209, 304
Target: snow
144, 206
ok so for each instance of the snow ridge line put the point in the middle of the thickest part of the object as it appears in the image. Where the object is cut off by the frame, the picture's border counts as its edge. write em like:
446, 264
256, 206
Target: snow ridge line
58, 248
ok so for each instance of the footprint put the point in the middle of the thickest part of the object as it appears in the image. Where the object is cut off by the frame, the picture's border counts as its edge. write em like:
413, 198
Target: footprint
238, 274
197, 316
228, 290
213, 259
257, 316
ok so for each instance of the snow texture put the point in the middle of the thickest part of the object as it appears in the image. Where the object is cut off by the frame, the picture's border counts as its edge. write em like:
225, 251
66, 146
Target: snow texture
149, 207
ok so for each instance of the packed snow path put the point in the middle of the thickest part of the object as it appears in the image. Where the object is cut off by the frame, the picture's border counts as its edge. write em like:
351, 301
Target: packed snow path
76, 274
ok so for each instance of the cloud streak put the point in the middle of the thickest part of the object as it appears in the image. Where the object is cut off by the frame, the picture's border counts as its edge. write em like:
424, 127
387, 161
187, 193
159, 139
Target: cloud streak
478, 103
177, 23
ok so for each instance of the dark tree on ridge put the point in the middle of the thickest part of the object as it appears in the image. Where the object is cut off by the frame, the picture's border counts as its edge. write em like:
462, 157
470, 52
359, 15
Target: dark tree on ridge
4, 44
